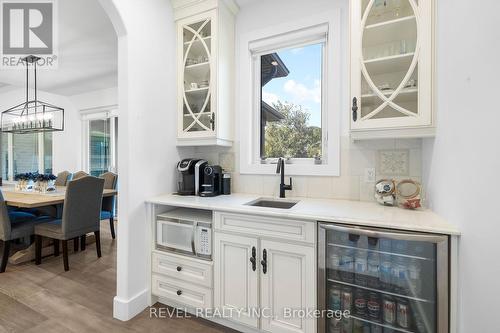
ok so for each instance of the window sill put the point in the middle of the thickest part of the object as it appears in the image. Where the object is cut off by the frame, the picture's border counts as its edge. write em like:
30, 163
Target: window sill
292, 169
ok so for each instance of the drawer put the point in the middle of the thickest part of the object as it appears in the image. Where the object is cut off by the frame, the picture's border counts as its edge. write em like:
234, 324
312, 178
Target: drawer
287, 229
182, 292
183, 268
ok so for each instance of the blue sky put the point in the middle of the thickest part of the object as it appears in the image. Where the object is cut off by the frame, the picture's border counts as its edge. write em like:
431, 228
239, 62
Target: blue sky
303, 85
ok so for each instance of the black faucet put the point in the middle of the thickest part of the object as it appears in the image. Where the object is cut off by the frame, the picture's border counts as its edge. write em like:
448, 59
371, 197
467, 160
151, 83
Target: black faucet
281, 169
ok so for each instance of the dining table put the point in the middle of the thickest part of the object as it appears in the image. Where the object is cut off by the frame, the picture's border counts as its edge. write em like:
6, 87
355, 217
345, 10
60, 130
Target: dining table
24, 199
35, 199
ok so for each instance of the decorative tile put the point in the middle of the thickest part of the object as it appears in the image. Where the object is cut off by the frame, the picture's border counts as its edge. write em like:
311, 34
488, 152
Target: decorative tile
394, 162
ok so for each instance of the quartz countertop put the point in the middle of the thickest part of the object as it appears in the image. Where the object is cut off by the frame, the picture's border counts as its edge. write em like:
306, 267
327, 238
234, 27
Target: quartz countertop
369, 214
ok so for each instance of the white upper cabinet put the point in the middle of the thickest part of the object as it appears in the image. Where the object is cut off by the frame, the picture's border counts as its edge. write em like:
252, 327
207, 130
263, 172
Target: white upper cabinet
205, 72
391, 68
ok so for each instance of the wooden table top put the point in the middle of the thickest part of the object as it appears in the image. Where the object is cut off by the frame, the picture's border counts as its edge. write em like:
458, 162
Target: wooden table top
35, 199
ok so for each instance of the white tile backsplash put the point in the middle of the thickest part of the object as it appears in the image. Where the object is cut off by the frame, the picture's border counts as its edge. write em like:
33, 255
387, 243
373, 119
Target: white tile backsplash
355, 158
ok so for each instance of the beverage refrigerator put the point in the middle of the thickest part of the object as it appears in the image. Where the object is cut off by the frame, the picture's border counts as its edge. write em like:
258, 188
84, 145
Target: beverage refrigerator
389, 281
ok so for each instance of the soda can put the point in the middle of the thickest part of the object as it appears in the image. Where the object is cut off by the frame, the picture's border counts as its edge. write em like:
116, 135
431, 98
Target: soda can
389, 310
347, 300
335, 298
373, 306
360, 302
403, 313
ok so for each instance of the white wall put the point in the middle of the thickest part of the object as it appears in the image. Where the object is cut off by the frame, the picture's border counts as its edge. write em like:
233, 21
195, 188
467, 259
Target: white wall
147, 131
95, 99
354, 157
66, 154
461, 165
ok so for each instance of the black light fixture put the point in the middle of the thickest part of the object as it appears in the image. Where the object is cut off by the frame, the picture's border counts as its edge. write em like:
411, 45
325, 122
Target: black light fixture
32, 116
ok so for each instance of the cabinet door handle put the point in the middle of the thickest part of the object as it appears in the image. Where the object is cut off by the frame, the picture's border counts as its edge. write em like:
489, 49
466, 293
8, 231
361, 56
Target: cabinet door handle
253, 259
354, 109
263, 262
212, 121
179, 292
179, 268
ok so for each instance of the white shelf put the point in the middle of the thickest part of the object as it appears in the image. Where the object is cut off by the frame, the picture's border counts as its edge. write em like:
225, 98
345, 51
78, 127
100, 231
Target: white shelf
201, 64
197, 40
391, 22
197, 113
187, 214
405, 95
389, 31
390, 64
197, 90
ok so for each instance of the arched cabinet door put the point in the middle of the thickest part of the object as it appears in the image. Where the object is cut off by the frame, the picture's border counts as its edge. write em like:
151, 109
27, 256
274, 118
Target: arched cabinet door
197, 116
391, 64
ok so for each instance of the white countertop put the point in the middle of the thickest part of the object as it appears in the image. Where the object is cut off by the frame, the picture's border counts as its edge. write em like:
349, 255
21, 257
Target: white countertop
368, 214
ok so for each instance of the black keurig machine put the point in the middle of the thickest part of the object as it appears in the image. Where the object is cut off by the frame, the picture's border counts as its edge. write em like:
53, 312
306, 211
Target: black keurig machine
190, 176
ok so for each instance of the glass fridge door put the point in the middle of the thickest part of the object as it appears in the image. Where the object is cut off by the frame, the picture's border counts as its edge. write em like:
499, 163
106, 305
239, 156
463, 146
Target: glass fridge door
387, 280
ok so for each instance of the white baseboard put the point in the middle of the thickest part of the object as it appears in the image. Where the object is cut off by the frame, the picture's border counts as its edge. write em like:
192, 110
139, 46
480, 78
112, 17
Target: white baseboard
127, 309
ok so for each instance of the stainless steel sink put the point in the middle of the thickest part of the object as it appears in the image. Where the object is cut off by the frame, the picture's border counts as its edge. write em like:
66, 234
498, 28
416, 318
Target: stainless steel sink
272, 203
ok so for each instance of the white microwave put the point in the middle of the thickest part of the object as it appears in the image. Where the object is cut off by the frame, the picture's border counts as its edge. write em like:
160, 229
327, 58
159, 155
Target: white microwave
184, 236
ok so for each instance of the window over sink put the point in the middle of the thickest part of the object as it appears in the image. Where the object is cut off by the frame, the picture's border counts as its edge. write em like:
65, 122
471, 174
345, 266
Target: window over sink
290, 97
291, 102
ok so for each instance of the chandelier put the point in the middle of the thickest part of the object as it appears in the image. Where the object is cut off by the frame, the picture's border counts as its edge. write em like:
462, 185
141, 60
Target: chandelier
32, 116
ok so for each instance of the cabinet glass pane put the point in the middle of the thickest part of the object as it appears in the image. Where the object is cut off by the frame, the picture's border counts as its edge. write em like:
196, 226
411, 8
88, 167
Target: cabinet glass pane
389, 60
197, 59
385, 283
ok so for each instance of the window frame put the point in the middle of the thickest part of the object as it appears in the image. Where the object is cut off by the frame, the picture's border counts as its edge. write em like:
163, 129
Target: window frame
271, 39
104, 113
41, 155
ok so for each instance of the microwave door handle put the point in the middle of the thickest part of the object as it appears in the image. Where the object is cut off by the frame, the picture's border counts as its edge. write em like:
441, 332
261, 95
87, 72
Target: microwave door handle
386, 234
193, 235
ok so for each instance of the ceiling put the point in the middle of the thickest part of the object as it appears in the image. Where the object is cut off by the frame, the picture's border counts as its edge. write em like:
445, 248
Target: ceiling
88, 50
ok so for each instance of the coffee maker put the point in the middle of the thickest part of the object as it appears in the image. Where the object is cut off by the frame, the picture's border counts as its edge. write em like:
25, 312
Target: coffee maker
190, 176
212, 181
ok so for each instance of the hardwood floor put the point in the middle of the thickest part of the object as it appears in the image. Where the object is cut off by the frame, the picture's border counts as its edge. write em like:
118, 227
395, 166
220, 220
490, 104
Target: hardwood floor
46, 299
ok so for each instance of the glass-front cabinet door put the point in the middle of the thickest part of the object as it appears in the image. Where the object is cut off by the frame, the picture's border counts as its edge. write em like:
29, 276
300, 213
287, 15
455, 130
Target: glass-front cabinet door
388, 281
196, 117
391, 69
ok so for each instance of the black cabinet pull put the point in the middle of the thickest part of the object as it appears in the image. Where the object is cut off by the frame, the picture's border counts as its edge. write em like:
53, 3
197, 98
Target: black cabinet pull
264, 261
354, 109
179, 292
253, 259
179, 268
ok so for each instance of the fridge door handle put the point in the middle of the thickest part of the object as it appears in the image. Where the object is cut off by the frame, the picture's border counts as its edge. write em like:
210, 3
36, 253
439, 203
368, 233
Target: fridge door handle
385, 234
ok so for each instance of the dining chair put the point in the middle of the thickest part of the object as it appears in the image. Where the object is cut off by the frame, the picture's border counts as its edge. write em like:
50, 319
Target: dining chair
62, 178
13, 225
108, 203
81, 215
79, 174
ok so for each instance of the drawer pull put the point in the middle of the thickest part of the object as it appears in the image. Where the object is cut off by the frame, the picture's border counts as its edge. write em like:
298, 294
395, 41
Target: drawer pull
179, 268
179, 292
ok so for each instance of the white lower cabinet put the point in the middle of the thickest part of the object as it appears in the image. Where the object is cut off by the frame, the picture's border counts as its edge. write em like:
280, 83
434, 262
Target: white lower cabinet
288, 286
267, 276
236, 283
